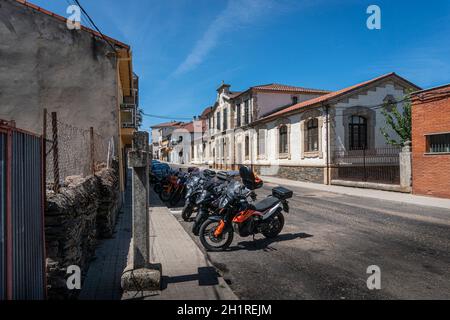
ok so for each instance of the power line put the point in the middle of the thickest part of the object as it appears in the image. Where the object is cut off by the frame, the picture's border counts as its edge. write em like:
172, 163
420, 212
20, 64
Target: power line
166, 117
83, 20
95, 26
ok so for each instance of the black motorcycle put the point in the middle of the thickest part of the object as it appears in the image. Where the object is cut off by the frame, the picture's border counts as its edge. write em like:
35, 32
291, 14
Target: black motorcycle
194, 188
237, 214
208, 202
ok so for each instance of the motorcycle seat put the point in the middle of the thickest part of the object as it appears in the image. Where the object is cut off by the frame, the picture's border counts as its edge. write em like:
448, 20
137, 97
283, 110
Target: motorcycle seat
266, 204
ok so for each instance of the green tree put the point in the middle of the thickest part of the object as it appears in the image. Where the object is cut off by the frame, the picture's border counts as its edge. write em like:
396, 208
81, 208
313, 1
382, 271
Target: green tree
399, 122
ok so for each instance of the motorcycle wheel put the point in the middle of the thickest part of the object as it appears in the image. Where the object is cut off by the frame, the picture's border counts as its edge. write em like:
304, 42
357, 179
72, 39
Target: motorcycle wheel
199, 221
187, 212
175, 199
277, 225
158, 188
165, 196
210, 242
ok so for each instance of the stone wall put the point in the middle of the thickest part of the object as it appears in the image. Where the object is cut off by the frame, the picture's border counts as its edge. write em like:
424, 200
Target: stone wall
297, 173
84, 211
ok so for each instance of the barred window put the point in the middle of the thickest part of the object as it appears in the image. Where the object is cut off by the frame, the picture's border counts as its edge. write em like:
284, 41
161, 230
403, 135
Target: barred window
238, 115
218, 120
358, 133
261, 142
225, 119
247, 147
284, 141
247, 113
438, 143
312, 135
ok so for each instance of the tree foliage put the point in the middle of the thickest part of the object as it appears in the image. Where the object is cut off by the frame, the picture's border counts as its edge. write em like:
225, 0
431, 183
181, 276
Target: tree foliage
399, 122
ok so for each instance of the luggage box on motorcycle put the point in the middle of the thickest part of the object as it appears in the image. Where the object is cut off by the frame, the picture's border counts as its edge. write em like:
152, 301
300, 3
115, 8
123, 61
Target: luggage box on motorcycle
224, 175
282, 193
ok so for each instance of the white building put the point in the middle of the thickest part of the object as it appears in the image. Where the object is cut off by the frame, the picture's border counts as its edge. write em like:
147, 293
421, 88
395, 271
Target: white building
303, 134
309, 140
234, 112
161, 134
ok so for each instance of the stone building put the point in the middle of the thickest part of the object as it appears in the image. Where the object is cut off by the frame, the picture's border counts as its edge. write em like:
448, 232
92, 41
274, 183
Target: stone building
234, 112
303, 142
161, 135
86, 77
431, 142
306, 134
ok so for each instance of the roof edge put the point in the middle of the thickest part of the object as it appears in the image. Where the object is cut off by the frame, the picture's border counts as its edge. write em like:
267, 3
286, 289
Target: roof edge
63, 19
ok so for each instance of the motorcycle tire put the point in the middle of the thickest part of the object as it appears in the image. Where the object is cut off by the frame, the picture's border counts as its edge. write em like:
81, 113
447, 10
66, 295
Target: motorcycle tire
187, 212
157, 188
165, 196
204, 232
199, 221
175, 199
276, 230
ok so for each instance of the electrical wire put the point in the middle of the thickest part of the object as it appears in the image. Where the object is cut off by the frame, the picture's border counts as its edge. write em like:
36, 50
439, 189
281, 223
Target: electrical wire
166, 117
94, 25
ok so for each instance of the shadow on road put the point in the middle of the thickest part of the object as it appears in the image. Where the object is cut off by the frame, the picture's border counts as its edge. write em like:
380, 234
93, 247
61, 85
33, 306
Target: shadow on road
264, 244
206, 276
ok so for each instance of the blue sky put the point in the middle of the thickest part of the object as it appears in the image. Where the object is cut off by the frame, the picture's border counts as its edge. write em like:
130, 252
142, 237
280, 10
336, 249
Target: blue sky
183, 49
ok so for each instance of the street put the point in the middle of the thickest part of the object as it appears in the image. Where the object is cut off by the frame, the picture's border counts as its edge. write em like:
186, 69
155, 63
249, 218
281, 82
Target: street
328, 243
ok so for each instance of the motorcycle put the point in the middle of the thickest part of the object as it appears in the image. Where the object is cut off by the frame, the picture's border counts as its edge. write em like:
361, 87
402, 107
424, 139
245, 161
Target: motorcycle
209, 200
195, 186
169, 185
237, 214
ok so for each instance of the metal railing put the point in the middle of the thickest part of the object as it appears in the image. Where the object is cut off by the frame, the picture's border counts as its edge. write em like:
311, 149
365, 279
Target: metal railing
128, 116
379, 165
22, 215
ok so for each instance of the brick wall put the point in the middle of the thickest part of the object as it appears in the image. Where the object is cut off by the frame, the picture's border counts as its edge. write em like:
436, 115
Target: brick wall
431, 114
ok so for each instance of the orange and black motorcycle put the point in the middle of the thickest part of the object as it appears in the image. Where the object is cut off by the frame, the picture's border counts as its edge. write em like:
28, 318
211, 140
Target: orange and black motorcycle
237, 214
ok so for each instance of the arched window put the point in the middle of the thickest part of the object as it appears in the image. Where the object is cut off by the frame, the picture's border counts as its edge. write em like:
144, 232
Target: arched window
312, 135
358, 133
284, 142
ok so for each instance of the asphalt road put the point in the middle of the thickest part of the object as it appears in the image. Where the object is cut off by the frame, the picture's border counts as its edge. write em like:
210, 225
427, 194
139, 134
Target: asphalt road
328, 243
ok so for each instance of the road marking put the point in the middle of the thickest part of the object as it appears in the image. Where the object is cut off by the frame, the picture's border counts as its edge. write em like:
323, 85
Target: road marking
176, 212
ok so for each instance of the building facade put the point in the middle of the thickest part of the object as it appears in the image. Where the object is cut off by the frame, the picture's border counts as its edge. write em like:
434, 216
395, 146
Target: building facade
431, 142
225, 144
306, 134
161, 137
86, 78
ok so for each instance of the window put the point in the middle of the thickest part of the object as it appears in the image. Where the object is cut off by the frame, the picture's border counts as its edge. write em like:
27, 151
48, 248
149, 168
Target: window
218, 121
312, 135
284, 144
438, 143
358, 133
225, 149
294, 100
247, 147
261, 143
247, 113
225, 119
238, 115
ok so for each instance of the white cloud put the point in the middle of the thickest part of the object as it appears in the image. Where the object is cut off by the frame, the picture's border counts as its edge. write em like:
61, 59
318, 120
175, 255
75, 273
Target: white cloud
237, 13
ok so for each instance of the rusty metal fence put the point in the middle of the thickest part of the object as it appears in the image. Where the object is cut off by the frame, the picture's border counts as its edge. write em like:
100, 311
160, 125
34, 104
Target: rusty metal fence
22, 232
73, 151
380, 165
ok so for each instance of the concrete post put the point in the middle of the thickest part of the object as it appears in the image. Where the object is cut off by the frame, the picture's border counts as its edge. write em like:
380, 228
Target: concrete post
140, 274
406, 167
138, 160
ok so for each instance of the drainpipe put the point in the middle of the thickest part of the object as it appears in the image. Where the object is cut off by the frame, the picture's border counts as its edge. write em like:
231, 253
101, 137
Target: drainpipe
327, 112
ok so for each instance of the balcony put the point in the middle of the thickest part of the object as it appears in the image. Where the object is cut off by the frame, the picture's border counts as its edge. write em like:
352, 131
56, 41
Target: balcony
128, 116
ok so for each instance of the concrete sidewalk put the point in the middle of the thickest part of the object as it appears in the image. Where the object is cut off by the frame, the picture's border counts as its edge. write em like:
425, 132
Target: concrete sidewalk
365, 193
187, 273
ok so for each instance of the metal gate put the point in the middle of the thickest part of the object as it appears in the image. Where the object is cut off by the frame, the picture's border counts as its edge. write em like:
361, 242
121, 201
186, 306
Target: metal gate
380, 165
22, 266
